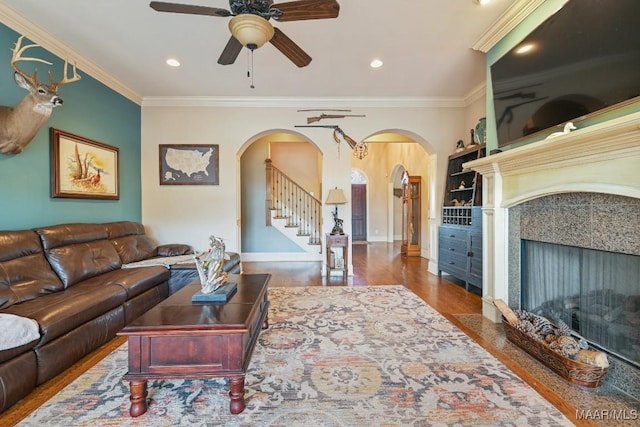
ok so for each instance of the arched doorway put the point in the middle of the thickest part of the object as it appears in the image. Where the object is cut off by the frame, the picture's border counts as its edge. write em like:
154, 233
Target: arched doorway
390, 153
266, 233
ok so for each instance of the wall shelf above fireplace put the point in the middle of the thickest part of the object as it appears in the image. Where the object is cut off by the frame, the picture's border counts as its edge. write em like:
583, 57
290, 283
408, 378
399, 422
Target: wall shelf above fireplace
598, 158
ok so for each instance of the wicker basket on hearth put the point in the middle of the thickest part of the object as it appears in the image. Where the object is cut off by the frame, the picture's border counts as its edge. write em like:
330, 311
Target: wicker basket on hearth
574, 371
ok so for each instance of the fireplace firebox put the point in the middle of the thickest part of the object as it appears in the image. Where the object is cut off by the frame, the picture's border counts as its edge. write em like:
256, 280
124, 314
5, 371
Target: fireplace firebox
575, 257
596, 293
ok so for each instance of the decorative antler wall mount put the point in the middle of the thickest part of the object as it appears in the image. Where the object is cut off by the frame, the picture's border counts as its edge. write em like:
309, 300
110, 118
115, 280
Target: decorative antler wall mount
19, 124
360, 149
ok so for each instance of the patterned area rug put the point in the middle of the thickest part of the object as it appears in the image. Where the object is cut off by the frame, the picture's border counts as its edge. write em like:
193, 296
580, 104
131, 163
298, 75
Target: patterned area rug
333, 356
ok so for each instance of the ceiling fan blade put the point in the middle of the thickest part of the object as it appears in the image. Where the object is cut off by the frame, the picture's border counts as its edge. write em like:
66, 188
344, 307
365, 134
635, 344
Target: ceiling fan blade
307, 9
160, 6
291, 50
230, 52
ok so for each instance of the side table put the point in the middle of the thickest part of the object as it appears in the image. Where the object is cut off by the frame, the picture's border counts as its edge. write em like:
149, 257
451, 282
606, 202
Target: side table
337, 262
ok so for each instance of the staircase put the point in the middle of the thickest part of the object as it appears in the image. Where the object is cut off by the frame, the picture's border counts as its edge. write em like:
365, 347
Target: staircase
292, 210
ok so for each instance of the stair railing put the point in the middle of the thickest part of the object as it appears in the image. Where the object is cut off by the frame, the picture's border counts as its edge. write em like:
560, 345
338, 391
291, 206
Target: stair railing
291, 201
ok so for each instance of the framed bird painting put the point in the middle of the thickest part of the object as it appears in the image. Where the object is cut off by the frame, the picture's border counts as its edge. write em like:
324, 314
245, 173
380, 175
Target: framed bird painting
83, 168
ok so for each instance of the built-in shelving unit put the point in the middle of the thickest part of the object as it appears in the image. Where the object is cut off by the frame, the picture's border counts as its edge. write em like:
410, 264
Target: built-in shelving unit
460, 235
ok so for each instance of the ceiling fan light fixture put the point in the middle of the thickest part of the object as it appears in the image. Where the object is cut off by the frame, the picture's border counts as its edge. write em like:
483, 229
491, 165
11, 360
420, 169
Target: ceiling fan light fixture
250, 30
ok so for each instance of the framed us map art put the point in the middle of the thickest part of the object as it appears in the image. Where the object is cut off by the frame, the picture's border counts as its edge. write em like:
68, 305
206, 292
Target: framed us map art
184, 164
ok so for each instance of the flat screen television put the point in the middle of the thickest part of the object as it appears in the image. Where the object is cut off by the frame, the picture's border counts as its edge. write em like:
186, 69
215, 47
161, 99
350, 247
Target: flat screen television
584, 60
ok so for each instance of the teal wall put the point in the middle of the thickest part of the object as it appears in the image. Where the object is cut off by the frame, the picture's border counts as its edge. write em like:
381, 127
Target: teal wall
548, 8
91, 110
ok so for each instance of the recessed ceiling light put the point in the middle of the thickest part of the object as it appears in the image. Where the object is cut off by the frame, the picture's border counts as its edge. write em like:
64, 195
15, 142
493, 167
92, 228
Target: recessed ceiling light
482, 2
376, 63
172, 62
525, 48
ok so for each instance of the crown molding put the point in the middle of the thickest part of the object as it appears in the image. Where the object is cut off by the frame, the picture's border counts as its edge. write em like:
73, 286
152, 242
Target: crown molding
23, 26
514, 15
475, 94
260, 102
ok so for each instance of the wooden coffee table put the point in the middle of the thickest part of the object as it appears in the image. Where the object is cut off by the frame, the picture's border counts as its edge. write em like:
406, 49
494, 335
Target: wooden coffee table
181, 339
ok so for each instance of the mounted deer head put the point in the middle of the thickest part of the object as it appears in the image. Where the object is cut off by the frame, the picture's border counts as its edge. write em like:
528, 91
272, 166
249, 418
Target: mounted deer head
19, 124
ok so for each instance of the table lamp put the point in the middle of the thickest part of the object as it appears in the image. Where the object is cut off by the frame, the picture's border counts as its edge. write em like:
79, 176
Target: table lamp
336, 197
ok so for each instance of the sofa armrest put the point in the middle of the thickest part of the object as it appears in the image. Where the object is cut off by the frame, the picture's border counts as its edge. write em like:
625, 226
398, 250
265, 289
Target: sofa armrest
174, 249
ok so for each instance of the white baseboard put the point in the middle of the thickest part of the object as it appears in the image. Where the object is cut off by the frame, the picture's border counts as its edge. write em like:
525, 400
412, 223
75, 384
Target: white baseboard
376, 238
433, 266
279, 256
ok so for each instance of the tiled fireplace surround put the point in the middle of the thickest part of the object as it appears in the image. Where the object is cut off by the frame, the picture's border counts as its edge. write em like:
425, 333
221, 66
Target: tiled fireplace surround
563, 190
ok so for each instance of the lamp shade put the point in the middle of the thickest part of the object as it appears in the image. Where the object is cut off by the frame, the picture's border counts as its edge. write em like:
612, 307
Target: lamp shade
252, 31
336, 197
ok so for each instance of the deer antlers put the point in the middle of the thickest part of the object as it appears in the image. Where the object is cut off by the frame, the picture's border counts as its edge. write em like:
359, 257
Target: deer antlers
20, 123
19, 50
65, 79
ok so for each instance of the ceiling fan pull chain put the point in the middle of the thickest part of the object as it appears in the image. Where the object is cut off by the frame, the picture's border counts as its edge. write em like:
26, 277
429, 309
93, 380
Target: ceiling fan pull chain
250, 66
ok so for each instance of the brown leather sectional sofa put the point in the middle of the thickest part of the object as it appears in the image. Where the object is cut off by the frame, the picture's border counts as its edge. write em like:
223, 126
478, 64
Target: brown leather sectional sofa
69, 279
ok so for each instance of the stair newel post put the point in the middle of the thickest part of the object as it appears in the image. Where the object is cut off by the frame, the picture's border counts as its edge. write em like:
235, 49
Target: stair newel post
269, 199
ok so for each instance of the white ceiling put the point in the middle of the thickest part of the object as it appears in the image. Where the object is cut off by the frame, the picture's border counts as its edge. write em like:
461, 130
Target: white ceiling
426, 46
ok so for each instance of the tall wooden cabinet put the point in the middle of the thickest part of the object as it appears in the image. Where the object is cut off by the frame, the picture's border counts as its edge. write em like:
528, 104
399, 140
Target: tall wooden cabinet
460, 234
410, 215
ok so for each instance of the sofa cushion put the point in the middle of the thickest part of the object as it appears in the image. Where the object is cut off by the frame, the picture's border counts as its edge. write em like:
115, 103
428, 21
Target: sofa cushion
18, 377
132, 244
134, 248
61, 353
174, 249
17, 351
232, 265
136, 281
61, 312
130, 241
25, 274
76, 263
78, 252
67, 234
123, 228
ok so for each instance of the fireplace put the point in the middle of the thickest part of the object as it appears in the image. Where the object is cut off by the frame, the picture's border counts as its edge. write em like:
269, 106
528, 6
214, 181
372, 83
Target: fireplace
579, 263
593, 166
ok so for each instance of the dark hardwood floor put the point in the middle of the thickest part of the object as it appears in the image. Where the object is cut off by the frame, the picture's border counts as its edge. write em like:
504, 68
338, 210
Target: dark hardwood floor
377, 264
373, 264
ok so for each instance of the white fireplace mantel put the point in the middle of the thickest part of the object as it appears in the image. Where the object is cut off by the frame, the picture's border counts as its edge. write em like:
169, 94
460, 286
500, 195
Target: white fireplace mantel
603, 158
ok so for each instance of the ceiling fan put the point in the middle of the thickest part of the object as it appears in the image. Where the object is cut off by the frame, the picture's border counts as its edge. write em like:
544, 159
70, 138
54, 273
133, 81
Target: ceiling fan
250, 26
